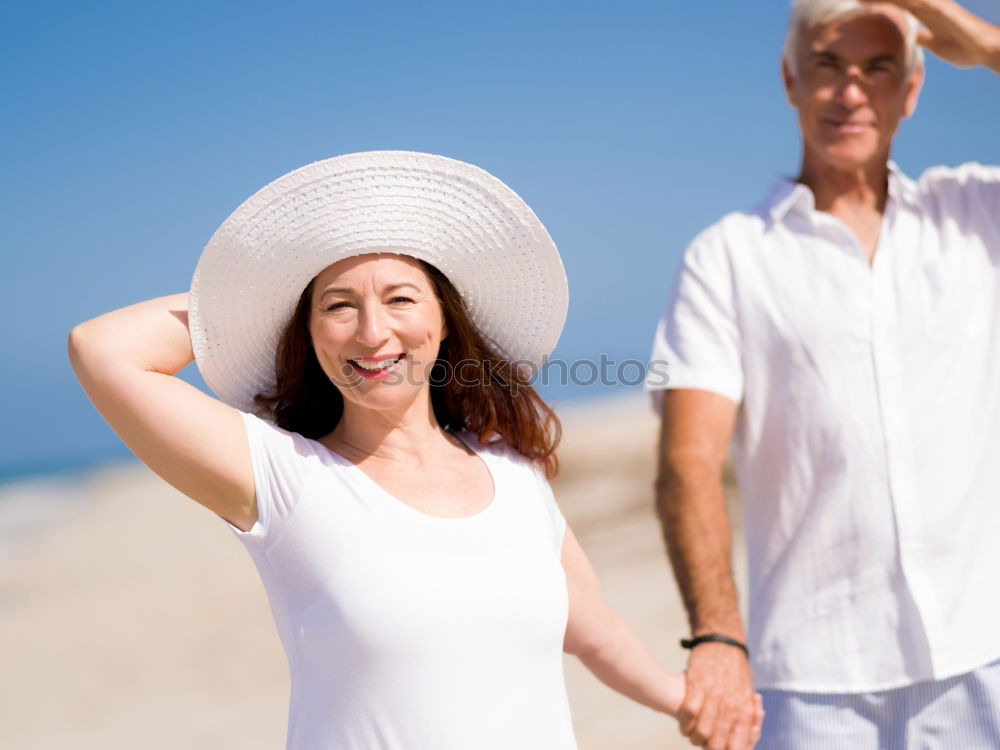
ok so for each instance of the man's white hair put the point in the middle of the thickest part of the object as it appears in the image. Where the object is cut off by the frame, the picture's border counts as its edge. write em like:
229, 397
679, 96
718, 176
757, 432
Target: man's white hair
807, 14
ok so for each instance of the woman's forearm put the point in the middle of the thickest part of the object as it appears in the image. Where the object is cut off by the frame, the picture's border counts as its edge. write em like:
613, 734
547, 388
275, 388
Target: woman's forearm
622, 662
605, 643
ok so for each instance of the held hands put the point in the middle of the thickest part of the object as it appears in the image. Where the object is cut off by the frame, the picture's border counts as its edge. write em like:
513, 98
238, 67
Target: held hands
953, 33
720, 710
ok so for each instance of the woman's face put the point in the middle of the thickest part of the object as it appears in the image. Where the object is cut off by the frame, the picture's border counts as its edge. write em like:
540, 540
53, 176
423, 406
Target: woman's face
376, 326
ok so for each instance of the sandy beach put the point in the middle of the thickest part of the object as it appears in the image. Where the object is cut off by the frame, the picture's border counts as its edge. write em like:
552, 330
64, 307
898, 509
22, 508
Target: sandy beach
136, 620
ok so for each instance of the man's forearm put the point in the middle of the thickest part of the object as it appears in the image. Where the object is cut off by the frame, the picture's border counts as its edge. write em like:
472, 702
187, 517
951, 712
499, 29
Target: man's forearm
954, 33
692, 511
956, 26
992, 55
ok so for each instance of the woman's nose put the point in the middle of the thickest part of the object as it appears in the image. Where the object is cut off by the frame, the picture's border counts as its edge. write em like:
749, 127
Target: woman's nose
372, 328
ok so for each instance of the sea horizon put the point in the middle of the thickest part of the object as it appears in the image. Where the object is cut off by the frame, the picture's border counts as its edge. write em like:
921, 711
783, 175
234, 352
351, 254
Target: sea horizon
107, 450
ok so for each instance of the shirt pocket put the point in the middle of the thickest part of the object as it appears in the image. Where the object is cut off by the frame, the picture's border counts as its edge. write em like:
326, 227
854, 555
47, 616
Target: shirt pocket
953, 297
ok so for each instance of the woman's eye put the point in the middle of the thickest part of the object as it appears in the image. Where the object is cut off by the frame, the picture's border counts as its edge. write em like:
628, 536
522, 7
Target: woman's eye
400, 301
337, 306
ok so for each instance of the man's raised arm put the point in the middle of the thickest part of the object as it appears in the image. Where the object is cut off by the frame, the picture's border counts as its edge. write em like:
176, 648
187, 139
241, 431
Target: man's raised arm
954, 34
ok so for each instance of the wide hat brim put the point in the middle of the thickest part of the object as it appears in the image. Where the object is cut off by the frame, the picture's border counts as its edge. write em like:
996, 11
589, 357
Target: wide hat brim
453, 215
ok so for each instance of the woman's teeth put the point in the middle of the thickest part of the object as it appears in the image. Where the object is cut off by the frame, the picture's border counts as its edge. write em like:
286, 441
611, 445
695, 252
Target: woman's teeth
374, 366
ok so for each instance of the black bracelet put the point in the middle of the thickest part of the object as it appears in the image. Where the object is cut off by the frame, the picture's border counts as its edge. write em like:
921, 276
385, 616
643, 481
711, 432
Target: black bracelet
715, 638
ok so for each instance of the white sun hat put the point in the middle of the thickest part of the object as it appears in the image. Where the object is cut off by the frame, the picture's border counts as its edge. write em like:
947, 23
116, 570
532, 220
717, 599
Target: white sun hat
455, 216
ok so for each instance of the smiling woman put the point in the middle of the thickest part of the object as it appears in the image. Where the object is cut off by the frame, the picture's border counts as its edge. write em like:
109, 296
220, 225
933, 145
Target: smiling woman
374, 317
470, 382
375, 325
421, 576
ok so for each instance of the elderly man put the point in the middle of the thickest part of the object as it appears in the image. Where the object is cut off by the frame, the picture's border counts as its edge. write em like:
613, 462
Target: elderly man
846, 336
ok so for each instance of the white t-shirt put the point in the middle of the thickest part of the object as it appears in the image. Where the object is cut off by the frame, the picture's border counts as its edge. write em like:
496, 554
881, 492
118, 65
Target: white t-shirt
406, 631
868, 436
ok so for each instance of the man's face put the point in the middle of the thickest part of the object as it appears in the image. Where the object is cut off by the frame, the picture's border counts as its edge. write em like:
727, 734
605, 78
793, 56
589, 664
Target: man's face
851, 87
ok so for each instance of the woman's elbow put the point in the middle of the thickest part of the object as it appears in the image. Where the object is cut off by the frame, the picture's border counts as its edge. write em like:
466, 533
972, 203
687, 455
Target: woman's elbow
581, 648
76, 345
83, 347
588, 637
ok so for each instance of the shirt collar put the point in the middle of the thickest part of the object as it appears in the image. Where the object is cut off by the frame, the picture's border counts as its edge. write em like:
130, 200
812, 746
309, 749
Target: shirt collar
901, 187
787, 195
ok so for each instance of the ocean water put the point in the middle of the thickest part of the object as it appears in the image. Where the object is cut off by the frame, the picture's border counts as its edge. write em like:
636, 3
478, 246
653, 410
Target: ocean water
36, 496
29, 507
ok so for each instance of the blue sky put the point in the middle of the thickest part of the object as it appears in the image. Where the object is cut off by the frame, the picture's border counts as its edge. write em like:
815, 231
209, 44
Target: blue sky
132, 129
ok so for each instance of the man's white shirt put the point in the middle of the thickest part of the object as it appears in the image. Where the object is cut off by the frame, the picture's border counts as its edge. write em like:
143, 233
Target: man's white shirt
868, 438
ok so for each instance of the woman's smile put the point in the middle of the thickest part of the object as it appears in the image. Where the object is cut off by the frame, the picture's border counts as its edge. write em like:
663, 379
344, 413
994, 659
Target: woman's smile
376, 368
376, 320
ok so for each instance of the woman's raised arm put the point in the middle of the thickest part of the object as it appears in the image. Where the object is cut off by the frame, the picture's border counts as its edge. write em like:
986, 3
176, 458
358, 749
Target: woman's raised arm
126, 361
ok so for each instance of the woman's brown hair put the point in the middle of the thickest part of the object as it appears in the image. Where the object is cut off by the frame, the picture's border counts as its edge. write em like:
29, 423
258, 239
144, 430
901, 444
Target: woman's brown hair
472, 387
